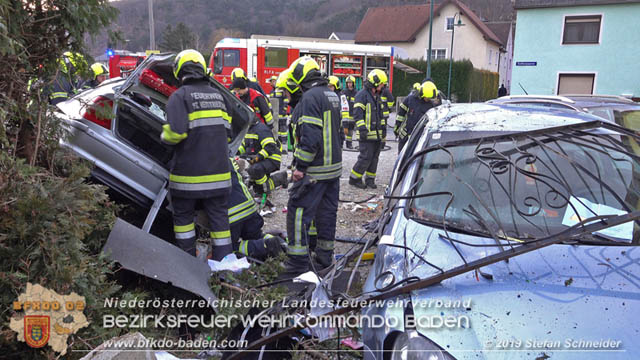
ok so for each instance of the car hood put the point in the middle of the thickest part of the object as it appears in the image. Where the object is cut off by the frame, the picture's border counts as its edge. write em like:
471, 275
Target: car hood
162, 65
553, 294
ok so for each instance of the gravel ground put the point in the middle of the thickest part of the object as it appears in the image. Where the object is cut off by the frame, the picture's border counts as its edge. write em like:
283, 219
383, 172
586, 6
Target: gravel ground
350, 221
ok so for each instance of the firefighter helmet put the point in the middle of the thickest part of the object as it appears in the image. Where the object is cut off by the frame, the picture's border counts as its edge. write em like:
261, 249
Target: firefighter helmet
284, 81
417, 86
238, 73
428, 90
188, 56
70, 62
99, 69
377, 77
333, 80
352, 79
301, 68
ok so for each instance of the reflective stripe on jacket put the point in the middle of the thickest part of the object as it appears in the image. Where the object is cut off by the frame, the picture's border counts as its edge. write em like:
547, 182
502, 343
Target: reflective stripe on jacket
199, 127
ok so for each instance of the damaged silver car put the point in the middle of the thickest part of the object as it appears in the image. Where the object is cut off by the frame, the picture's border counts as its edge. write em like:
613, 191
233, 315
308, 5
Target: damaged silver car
509, 233
117, 127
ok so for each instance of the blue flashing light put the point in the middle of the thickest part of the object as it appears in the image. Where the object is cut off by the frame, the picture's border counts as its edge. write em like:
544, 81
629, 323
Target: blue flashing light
110, 52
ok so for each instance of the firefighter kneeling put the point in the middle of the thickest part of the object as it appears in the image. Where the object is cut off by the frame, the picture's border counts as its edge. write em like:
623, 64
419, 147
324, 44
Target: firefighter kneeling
264, 155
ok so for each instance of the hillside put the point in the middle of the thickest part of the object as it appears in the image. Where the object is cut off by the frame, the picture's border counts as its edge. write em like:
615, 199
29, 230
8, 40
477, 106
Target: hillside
211, 20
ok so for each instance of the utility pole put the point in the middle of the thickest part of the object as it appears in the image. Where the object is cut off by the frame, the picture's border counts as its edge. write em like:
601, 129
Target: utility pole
152, 32
430, 34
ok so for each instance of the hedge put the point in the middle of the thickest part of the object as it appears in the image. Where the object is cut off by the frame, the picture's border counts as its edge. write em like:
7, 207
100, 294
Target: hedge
467, 84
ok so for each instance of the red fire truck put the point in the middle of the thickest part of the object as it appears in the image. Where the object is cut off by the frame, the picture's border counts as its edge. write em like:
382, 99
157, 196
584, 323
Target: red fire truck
122, 62
264, 56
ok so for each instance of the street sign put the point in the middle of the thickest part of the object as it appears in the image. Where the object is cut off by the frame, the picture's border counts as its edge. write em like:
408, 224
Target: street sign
526, 63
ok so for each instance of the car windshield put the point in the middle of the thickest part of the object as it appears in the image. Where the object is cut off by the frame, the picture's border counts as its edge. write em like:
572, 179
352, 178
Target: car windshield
530, 185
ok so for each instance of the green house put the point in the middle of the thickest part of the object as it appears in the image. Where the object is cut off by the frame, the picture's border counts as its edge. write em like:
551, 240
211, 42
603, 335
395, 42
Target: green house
577, 47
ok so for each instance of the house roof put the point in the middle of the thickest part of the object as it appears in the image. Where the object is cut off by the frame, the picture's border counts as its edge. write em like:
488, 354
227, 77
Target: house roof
501, 29
533, 4
403, 23
345, 35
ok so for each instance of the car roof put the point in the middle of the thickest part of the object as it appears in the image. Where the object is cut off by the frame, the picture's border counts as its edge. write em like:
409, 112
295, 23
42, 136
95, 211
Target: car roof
501, 117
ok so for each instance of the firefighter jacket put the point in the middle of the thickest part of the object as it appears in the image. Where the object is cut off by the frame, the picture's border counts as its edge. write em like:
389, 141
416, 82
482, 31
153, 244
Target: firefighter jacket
259, 141
411, 111
283, 101
241, 203
351, 99
367, 113
199, 126
259, 105
62, 88
387, 102
318, 150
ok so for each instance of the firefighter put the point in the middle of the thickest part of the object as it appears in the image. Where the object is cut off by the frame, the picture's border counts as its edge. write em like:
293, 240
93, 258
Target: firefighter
254, 99
238, 73
317, 168
415, 88
264, 155
387, 101
199, 127
283, 112
100, 74
347, 118
246, 223
412, 109
372, 128
65, 85
334, 84
272, 82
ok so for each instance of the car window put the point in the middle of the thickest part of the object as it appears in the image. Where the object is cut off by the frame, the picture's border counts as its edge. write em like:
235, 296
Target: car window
531, 187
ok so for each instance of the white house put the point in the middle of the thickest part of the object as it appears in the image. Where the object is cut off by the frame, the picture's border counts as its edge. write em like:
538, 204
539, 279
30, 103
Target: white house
407, 28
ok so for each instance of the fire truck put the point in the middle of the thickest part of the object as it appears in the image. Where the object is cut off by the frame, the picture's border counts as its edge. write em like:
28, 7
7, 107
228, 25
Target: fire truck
122, 62
264, 56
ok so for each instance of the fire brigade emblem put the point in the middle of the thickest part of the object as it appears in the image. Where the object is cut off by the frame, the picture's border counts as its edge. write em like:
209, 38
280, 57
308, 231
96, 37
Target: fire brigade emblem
36, 330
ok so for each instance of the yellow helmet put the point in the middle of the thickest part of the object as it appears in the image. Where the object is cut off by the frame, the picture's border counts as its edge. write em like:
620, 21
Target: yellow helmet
428, 90
333, 80
238, 73
186, 56
99, 69
273, 78
301, 68
71, 61
352, 79
285, 82
417, 86
377, 77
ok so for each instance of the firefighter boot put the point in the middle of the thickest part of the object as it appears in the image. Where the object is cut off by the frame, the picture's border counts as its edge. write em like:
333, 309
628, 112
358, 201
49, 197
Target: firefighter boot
371, 183
324, 258
294, 266
357, 183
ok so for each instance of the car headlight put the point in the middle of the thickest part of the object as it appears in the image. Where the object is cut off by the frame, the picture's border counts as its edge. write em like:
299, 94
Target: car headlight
412, 346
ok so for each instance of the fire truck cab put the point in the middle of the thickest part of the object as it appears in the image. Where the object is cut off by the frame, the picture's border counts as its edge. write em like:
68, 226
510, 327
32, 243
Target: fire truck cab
264, 56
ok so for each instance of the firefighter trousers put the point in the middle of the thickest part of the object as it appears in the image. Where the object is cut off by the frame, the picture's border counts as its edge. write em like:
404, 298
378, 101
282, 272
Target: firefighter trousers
259, 174
348, 126
319, 203
367, 162
249, 230
283, 128
184, 211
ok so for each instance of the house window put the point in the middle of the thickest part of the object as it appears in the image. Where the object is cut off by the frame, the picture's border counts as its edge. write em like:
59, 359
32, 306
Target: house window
582, 29
576, 83
449, 24
438, 54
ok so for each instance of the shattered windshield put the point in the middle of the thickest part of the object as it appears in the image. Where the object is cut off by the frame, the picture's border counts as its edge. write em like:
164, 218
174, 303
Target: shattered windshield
530, 185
